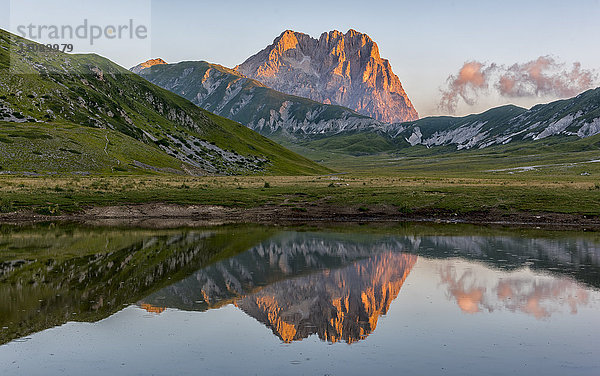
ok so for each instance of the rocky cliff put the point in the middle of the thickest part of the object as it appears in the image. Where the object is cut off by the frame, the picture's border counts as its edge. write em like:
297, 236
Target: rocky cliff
343, 69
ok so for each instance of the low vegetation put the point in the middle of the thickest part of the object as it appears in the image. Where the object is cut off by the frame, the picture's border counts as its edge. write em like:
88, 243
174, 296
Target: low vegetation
528, 192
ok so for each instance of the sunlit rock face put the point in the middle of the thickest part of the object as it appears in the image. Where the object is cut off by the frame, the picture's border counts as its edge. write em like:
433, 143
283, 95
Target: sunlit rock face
343, 69
337, 305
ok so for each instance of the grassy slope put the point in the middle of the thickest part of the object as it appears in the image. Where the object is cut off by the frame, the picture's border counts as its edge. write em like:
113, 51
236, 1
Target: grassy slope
55, 147
284, 161
347, 144
92, 91
559, 154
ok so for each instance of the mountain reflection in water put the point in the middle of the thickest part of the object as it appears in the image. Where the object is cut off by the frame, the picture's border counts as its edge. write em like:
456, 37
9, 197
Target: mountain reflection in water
300, 284
341, 304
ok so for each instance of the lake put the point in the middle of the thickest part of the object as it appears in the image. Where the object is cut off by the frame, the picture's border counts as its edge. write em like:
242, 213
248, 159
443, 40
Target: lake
258, 300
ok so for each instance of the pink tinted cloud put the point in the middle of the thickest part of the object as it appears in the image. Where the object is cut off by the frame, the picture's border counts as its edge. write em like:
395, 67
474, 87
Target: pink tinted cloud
542, 77
471, 79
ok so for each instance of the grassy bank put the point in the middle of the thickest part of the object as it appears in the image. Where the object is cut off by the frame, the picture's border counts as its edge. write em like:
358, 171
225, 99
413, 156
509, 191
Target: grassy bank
526, 192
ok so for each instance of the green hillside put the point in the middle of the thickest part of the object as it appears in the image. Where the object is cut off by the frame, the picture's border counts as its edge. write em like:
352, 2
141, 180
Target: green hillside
68, 148
163, 129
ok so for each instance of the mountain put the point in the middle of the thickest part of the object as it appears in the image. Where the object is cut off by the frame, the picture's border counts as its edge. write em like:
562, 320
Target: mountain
311, 125
342, 69
230, 94
577, 117
43, 92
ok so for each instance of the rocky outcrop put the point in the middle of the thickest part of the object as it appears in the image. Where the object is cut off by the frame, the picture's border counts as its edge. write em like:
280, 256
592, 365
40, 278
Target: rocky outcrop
343, 69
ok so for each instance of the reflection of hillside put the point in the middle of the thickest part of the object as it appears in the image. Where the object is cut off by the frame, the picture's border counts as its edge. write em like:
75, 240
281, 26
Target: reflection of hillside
96, 272
341, 304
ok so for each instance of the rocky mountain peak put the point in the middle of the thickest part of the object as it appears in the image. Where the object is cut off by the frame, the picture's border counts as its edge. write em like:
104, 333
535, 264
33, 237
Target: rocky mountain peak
147, 64
343, 69
286, 41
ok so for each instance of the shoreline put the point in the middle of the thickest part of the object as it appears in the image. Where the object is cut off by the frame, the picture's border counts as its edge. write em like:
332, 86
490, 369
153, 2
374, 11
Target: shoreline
161, 215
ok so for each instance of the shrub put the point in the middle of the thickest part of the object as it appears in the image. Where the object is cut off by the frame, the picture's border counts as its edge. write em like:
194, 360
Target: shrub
6, 206
49, 210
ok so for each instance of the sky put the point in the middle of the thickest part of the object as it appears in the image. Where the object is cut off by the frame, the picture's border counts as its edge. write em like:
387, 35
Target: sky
426, 42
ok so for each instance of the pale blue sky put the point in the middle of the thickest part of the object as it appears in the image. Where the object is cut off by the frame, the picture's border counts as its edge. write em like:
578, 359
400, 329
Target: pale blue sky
425, 41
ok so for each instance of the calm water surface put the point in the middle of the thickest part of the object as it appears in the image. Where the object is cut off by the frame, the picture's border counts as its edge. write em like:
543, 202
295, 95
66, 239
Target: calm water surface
425, 300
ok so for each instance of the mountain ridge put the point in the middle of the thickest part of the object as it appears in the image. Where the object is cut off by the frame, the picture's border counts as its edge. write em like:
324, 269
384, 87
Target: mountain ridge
578, 116
230, 94
291, 119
